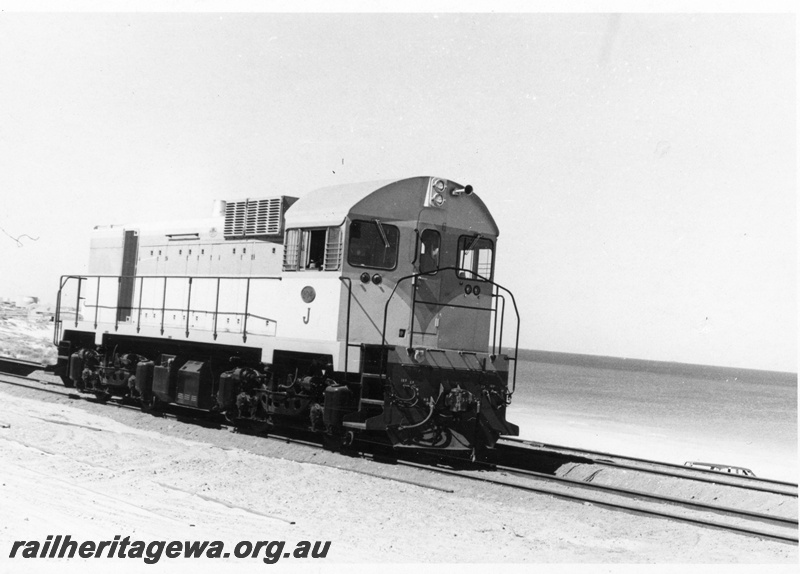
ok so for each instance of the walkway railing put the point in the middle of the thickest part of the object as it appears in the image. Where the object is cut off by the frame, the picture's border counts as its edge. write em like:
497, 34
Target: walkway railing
180, 282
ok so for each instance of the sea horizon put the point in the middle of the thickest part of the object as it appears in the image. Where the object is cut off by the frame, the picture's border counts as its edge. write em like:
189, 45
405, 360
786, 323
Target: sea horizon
676, 368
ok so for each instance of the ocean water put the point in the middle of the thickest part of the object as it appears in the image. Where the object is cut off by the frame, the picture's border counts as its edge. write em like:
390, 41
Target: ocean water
667, 411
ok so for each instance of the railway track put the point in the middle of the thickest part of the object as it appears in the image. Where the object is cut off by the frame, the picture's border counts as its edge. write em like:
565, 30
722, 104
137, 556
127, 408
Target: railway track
19, 368
763, 525
516, 476
514, 447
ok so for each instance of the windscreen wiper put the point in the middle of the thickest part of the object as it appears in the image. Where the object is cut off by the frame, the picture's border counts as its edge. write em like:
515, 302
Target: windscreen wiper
383, 233
473, 242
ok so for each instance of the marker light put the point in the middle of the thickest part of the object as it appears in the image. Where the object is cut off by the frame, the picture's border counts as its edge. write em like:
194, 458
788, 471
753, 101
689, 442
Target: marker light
435, 195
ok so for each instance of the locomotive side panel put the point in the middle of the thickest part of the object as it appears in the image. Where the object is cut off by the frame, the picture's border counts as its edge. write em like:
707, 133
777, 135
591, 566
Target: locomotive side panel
373, 270
307, 307
105, 251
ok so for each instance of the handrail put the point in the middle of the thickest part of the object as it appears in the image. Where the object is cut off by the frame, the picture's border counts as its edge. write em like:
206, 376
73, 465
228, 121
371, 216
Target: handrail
163, 305
189, 307
104, 276
216, 309
502, 321
139, 316
414, 298
499, 298
347, 323
139, 308
183, 310
78, 301
57, 318
97, 302
246, 307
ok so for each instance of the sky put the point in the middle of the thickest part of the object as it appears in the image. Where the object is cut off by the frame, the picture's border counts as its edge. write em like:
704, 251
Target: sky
641, 167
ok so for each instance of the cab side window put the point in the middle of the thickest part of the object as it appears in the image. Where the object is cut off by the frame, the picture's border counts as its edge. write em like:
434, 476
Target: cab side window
373, 244
429, 244
475, 257
313, 249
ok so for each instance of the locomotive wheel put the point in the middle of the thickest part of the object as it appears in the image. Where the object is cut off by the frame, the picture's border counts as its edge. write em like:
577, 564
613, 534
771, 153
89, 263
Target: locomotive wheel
262, 428
146, 403
102, 396
69, 383
332, 442
231, 416
338, 442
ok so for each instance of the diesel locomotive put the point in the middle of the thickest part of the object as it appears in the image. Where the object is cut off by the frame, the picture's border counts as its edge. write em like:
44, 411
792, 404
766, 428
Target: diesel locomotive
363, 311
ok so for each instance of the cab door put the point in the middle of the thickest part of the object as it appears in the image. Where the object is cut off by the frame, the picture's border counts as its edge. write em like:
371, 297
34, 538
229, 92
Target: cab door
427, 259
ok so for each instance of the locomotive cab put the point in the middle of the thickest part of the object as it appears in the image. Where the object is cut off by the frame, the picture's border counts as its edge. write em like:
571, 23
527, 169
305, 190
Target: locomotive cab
373, 239
418, 308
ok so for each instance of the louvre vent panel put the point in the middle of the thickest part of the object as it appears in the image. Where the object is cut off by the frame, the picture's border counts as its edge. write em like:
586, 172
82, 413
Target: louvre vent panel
291, 252
333, 249
254, 217
234, 218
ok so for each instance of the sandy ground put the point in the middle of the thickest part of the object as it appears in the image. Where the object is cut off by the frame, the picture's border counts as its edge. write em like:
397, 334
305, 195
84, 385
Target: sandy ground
94, 471
27, 340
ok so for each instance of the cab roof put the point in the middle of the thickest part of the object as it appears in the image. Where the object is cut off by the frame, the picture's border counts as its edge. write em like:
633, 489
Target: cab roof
329, 206
393, 199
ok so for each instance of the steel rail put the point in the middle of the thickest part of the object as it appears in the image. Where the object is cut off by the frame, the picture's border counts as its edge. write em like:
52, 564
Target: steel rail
658, 467
787, 538
19, 367
726, 510
777, 522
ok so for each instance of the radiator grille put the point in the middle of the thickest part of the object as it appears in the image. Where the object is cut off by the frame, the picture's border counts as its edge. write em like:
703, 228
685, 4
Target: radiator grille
254, 217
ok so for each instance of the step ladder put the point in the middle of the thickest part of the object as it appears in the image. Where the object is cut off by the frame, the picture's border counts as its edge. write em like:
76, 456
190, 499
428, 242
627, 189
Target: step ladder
373, 394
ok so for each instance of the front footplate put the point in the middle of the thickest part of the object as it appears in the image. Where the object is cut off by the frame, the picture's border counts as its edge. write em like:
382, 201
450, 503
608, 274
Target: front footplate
442, 399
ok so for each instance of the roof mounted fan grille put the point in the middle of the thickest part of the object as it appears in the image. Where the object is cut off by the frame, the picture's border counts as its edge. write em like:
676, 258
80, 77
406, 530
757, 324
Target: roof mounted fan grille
254, 217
